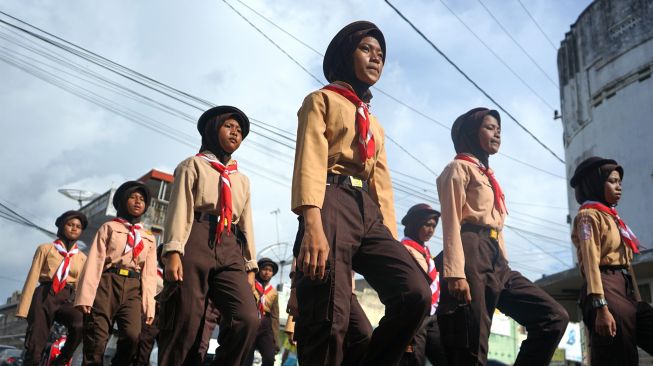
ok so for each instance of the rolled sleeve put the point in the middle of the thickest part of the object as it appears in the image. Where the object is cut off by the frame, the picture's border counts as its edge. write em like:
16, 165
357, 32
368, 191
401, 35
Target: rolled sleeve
311, 154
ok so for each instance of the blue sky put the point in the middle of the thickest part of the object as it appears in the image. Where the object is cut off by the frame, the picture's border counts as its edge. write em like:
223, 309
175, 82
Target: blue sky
52, 139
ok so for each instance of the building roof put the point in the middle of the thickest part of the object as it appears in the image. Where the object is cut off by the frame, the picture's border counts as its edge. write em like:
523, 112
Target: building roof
158, 175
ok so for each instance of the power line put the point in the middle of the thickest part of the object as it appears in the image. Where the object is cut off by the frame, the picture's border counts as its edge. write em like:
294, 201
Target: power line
468, 78
512, 71
537, 25
518, 45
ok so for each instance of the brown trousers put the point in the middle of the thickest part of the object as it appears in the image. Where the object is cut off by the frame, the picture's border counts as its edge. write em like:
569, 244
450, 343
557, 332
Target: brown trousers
118, 299
264, 343
45, 309
210, 271
146, 341
426, 345
465, 329
634, 322
211, 320
358, 336
359, 240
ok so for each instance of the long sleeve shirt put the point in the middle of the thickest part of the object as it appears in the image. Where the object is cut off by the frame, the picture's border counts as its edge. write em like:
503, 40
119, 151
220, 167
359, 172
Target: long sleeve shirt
108, 250
597, 240
44, 267
327, 142
196, 188
466, 196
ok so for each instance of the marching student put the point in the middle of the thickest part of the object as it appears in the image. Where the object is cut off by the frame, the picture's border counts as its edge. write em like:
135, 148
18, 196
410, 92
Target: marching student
56, 267
419, 226
342, 188
476, 277
267, 300
616, 318
119, 279
204, 259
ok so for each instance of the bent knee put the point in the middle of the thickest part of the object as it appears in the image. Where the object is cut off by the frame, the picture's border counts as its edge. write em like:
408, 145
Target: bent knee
417, 300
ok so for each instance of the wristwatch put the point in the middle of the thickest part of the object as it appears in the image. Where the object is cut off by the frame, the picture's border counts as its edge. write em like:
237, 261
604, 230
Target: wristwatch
599, 303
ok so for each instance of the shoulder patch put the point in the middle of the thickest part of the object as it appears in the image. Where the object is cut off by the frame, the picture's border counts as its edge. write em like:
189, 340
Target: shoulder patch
585, 228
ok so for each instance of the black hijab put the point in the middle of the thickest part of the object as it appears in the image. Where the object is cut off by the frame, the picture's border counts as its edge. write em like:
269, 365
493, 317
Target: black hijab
338, 64
590, 177
122, 194
464, 133
61, 221
416, 217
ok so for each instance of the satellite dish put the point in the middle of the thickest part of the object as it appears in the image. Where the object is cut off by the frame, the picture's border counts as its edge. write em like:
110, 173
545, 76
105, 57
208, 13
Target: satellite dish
78, 195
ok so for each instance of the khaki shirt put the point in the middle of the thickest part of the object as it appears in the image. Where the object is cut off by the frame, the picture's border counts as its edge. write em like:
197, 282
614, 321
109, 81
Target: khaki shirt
44, 266
107, 251
271, 306
327, 142
598, 243
466, 196
195, 188
290, 324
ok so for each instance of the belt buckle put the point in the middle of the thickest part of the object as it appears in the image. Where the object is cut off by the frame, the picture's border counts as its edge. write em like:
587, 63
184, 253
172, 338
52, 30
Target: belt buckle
355, 182
123, 272
494, 234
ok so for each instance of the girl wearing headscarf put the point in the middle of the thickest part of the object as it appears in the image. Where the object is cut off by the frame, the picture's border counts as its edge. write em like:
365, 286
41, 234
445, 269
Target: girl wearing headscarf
476, 277
119, 279
419, 226
56, 267
208, 249
616, 318
342, 188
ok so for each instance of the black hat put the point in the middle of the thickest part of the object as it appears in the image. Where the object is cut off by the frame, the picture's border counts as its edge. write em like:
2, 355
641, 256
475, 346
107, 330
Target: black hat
344, 38
419, 212
126, 189
591, 163
267, 261
239, 115
72, 214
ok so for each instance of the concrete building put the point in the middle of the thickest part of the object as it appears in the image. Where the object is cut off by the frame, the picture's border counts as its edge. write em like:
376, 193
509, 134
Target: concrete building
606, 93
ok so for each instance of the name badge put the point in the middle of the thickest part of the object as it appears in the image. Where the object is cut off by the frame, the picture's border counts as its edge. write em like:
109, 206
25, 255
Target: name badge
123, 272
355, 182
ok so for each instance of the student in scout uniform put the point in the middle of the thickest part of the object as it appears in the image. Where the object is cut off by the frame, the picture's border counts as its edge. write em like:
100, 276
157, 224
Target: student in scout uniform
342, 188
476, 277
56, 267
267, 301
209, 210
616, 318
419, 226
119, 279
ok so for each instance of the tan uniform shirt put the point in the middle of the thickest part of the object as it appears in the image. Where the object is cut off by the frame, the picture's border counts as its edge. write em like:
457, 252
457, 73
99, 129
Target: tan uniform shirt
44, 266
108, 250
271, 306
466, 196
598, 243
327, 142
196, 188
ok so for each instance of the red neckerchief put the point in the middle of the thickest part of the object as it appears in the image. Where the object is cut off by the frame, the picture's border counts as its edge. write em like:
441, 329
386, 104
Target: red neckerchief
365, 138
262, 291
59, 279
226, 210
134, 239
499, 197
432, 271
626, 234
